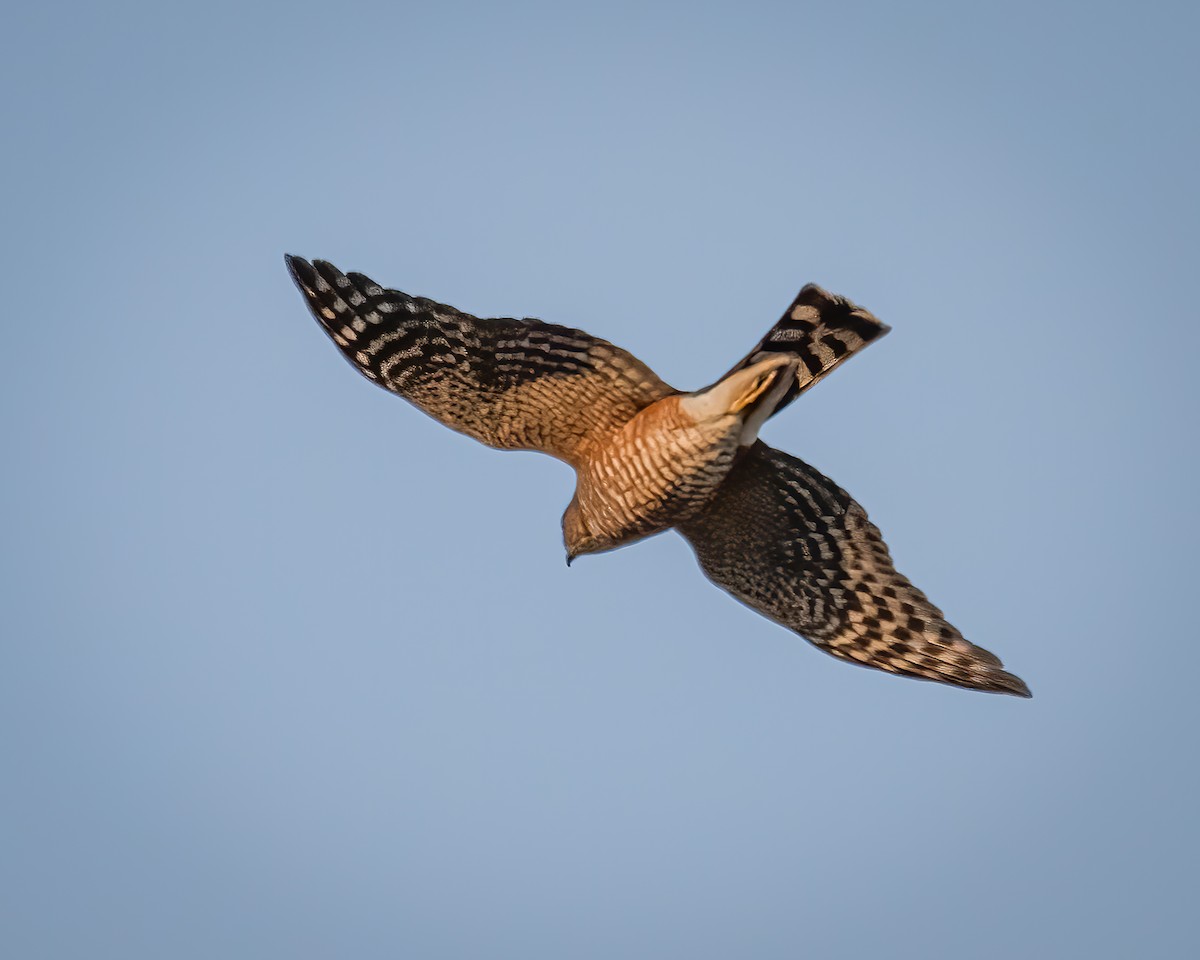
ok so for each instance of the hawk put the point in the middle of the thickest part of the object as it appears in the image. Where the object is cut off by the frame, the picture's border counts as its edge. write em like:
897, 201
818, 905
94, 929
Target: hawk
766, 527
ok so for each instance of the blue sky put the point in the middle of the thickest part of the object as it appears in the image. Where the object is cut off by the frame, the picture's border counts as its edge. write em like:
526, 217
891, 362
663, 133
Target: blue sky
290, 670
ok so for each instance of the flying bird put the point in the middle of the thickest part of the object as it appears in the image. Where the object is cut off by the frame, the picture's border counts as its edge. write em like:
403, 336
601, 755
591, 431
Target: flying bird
766, 527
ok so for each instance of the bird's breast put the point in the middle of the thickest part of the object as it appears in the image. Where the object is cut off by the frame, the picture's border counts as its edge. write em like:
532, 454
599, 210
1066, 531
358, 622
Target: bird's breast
659, 469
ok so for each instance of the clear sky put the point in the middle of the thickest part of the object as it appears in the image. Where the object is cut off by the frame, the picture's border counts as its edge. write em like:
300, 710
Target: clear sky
288, 670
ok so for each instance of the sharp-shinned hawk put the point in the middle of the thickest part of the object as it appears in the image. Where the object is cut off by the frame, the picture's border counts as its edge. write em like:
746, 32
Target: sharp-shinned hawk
766, 527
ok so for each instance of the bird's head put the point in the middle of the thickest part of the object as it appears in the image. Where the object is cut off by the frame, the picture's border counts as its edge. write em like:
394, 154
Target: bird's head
578, 538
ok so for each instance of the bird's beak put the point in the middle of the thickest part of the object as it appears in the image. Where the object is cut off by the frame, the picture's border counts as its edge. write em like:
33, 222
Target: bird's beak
570, 557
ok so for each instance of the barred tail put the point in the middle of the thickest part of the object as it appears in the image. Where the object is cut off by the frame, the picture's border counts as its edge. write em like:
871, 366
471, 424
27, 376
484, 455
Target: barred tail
821, 330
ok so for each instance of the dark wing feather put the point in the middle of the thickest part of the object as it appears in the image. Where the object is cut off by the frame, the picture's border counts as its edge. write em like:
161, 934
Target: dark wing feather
513, 384
790, 543
821, 329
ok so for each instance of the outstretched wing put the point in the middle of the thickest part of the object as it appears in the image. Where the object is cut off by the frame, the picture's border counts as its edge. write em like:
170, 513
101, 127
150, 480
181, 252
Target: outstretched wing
513, 384
821, 329
790, 543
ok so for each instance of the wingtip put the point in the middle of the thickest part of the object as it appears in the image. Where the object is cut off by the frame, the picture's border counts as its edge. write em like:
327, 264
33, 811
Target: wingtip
1013, 685
298, 267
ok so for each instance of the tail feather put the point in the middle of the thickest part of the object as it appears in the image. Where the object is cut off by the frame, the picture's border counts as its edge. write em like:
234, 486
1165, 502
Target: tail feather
821, 330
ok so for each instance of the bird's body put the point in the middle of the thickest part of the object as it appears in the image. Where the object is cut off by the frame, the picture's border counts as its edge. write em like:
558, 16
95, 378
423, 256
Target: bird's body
664, 465
766, 527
